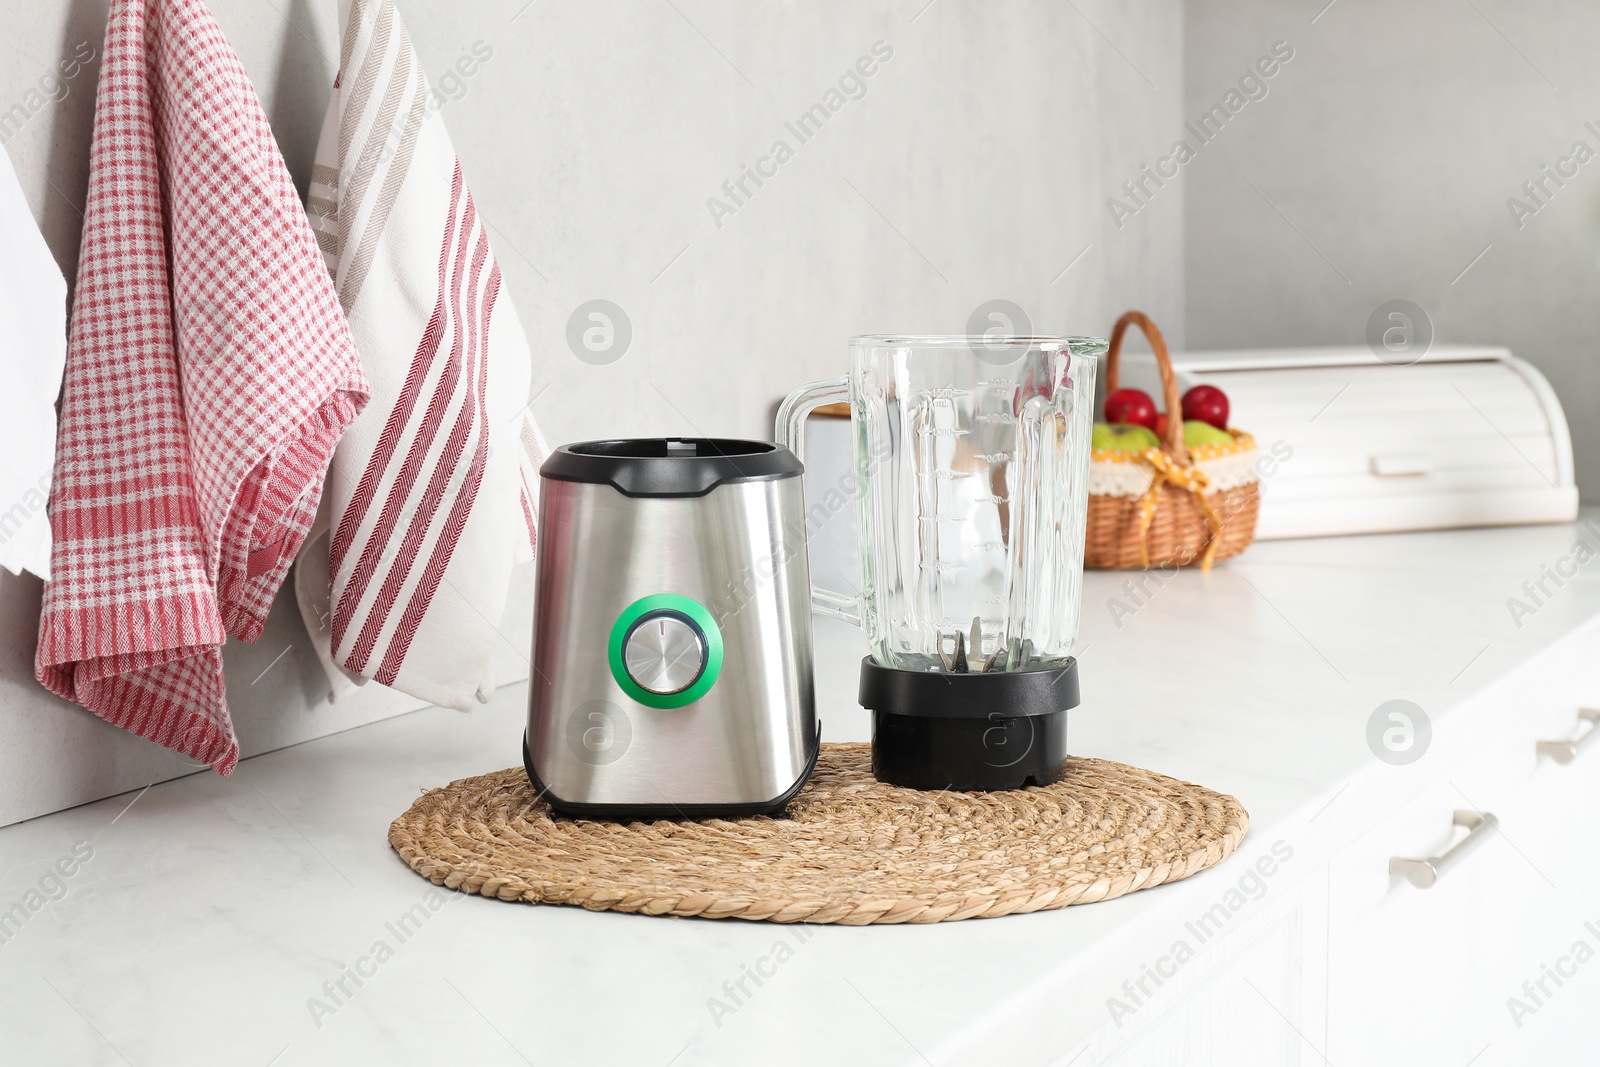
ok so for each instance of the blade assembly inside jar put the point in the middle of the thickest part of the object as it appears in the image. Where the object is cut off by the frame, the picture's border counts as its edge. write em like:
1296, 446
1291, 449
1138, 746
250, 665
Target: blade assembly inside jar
967, 657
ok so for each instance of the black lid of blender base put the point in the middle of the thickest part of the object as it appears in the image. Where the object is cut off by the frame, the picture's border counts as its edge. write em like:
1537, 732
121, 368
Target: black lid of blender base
670, 466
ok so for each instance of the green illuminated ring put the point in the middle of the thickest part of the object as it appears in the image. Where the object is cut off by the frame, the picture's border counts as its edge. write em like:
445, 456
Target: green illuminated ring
695, 614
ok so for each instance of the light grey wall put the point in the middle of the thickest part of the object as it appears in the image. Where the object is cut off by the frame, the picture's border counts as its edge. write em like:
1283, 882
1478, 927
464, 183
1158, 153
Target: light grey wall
975, 166
1382, 160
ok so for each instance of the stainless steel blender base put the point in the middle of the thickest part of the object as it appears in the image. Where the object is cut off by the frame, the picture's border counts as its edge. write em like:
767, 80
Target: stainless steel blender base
652, 812
672, 661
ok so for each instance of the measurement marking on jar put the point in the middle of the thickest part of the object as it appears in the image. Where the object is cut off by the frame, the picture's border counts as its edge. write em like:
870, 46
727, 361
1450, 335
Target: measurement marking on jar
941, 431
945, 393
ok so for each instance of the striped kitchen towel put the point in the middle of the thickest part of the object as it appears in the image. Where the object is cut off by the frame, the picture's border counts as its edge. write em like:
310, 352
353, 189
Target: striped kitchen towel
33, 350
430, 495
209, 375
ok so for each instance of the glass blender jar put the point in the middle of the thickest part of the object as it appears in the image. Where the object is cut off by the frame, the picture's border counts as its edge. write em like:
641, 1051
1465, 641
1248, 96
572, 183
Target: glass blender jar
972, 456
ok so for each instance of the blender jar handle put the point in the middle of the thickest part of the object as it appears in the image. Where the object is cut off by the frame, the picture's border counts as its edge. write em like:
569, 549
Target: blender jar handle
791, 434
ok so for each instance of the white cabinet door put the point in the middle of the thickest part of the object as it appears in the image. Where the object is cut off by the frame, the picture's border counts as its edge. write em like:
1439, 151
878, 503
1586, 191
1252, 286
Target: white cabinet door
1428, 975
1400, 958
1538, 975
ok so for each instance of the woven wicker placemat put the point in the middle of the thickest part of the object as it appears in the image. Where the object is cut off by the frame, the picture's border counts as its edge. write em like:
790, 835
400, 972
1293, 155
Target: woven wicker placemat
852, 851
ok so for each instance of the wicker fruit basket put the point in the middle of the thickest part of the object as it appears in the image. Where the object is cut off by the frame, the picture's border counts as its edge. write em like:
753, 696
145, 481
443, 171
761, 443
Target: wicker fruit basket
1169, 506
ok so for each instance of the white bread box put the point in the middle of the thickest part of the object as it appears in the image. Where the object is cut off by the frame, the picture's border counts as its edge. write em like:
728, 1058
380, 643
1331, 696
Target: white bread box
1466, 436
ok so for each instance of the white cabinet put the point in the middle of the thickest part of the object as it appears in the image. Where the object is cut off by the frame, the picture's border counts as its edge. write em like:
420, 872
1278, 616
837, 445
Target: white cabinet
1499, 961
1539, 978
1399, 1012
1497, 964
1410, 970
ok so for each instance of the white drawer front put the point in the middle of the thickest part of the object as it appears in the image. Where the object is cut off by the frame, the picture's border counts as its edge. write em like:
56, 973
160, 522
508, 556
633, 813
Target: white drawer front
1484, 963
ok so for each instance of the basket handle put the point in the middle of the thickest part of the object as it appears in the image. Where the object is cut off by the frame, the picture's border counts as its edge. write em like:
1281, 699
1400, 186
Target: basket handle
1169, 378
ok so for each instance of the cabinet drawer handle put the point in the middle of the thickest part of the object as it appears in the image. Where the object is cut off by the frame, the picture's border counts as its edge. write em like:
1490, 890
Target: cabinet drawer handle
1424, 873
1567, 751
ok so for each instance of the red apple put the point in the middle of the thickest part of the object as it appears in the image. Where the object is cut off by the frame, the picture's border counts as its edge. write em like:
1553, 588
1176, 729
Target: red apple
1132, 406
1161, 426
1207, 403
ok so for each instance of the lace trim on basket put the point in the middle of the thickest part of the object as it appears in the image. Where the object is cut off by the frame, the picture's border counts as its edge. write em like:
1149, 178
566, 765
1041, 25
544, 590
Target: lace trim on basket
1119, 479
1126, 474
1232, 471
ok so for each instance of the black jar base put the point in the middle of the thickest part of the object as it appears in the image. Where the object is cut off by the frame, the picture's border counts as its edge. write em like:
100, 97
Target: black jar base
969, 732
969, 755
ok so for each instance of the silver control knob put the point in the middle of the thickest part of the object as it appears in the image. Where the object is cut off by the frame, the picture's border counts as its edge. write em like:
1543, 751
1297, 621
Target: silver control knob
664, 653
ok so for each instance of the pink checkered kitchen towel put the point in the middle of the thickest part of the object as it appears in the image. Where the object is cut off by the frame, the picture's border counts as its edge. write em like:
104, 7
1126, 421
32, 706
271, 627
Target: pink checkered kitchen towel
210, 373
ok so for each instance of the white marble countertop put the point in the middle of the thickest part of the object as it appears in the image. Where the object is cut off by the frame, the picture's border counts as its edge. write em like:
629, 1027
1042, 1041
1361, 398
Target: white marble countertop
213, 915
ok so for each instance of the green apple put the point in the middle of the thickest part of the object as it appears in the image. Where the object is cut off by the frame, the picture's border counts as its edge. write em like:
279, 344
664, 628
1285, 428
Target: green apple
1123, 437
1197, 434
